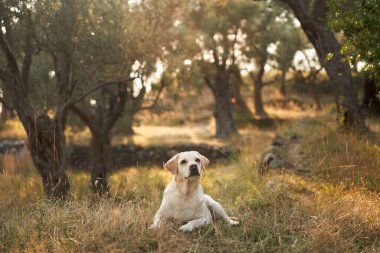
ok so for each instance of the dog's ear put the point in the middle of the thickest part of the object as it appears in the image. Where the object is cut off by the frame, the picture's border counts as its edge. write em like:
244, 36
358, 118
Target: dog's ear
204, 160
171, 165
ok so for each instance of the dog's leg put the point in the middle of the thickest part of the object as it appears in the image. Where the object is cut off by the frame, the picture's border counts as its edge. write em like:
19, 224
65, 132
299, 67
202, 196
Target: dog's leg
218, 210
158, 220
195, 224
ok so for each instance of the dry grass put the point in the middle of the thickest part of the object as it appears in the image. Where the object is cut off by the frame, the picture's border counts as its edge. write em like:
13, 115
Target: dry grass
328, 210
12, 130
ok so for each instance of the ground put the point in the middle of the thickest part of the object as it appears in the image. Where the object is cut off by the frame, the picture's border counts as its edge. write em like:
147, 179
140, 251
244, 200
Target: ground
334, 207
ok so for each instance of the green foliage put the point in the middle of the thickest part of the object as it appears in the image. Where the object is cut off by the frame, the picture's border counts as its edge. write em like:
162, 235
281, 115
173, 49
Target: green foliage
359, 20
99, 40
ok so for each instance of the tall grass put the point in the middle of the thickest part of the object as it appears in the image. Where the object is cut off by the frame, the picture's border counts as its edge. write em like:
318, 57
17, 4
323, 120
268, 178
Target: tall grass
327, 210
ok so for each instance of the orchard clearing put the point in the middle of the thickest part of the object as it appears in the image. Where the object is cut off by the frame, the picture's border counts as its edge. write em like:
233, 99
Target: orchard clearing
335, 207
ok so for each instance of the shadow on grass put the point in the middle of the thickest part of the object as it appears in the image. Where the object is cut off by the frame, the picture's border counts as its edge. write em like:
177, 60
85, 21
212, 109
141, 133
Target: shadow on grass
262, 122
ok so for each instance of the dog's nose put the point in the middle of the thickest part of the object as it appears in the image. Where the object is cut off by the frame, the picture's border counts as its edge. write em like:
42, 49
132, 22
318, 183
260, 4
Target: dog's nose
194, 170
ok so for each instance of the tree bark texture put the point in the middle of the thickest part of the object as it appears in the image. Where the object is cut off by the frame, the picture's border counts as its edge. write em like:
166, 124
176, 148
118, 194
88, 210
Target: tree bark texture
257, 91
370, 101
225, 124
236, 86
109, 108
312, 16
100, 159
128, 122
43, 132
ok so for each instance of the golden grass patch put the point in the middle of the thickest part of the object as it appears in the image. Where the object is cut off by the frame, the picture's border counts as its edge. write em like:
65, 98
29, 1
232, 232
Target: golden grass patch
327, 210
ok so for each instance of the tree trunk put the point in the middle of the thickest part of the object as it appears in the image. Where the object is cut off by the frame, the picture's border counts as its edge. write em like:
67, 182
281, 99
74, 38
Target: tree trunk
314, 95
257, 91
45, 135
282, 82
128, 126
108, 109
46, 150
370, 101
313, 23
259, 108
3, 117
225, 124
100, 156
239, 101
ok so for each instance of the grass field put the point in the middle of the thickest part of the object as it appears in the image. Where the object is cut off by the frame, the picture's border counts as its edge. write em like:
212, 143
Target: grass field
333, 208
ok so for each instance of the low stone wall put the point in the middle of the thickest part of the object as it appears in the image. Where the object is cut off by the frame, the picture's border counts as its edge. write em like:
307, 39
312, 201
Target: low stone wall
11, 146
127, 155
131, 155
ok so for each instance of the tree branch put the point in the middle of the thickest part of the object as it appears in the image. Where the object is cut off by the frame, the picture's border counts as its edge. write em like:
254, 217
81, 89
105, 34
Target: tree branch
28, 51
155, 101
12, 62
86, 117
116, 112
73, 101
208, 83
2, 101
5, 76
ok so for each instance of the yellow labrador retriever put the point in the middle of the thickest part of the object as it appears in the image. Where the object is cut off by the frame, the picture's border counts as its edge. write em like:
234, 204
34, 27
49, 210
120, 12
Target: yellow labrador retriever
184, 199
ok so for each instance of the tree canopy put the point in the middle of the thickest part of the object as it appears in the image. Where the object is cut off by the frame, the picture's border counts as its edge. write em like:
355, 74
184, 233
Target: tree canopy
360, 23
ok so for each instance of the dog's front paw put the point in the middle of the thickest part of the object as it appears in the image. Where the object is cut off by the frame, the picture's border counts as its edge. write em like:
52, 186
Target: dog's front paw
232, 222
186, 228
154, 226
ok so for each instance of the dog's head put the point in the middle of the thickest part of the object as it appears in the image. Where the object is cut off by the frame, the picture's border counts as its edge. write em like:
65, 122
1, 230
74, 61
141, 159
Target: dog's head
187, 164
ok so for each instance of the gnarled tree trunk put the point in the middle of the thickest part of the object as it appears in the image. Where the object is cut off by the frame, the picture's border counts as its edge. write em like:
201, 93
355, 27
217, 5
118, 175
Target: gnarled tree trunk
236, 86
239, 101
108, 109
44, 141
100, 156
370, 101
257, 97
45, 135
257, 91
312, 16
128, 123
45, 144
225, 124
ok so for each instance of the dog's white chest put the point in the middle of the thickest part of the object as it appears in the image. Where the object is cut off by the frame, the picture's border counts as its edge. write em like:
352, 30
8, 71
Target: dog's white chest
186, 209
189, 210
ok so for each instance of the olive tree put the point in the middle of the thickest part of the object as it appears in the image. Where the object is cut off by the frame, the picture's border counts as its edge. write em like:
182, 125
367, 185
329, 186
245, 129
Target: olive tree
19, 44
313, 18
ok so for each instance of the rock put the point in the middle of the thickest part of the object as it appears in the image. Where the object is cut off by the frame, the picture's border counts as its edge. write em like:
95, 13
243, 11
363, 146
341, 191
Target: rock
294, 137
272, 161
278, 141
11, 146
268, 158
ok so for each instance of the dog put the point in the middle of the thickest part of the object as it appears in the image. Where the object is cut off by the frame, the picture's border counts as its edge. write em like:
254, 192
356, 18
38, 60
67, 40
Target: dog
184, 199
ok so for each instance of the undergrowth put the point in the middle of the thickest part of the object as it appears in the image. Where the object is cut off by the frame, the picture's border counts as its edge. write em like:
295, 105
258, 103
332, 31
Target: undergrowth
334, 208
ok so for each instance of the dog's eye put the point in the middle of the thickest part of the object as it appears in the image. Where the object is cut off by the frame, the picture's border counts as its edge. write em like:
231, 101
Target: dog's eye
183, 161
197, 160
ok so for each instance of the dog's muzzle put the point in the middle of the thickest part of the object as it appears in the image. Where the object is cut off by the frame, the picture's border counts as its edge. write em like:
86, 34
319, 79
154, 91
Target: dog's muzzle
194, 172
